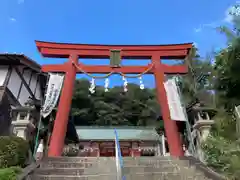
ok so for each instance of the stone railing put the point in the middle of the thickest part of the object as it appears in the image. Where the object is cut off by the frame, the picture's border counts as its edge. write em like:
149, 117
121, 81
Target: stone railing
28, 171
209, 173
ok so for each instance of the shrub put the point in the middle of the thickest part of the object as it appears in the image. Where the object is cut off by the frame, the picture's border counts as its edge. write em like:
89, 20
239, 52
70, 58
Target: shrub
223, 155
9, 173
13, 151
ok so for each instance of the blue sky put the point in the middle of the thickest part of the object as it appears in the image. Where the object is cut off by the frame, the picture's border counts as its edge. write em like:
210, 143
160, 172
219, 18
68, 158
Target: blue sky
110, 22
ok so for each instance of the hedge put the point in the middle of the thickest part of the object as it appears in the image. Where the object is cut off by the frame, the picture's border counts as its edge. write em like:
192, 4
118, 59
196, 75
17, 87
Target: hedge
13, 151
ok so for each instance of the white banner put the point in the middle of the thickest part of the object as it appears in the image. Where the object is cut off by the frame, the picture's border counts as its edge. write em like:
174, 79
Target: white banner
53, 92
174, 101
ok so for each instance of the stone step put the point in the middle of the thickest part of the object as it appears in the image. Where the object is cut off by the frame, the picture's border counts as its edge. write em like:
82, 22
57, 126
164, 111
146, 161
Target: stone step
104, 159
104, 168
72, 177
95, 171
79, 159
71, 171
105, 165
141, 162
137, 176
65, 165
148, 169
126, 162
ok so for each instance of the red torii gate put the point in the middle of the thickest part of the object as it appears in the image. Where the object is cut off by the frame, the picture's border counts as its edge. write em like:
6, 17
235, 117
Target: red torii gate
76, 51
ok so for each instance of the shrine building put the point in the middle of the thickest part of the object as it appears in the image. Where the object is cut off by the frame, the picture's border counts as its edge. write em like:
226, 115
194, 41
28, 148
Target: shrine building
134, 141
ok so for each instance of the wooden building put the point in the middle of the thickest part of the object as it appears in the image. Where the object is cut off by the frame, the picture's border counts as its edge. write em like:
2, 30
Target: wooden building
134, 141
21, 91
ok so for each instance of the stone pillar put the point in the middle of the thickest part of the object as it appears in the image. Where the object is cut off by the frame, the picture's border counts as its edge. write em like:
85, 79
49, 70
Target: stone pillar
135, 150
20, 132
163, 144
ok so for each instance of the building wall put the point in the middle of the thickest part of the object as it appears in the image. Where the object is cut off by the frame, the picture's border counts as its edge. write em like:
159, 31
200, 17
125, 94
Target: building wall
14, 83
24, 95
3, 74
38, 91
19, 90
107, 148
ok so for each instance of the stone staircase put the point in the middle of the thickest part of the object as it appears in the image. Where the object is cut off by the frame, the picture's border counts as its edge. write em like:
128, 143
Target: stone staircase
104, 168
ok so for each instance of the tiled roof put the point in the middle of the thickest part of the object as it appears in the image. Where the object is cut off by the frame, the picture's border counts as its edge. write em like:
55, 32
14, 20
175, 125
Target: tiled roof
124, 133
18, 59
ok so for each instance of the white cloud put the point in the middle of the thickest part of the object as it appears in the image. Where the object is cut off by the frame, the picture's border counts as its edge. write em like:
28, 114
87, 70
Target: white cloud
12, 19
204, 26
228, 18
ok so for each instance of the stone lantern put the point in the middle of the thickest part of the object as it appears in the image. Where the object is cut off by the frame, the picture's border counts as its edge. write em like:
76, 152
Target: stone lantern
201, 123
24, 122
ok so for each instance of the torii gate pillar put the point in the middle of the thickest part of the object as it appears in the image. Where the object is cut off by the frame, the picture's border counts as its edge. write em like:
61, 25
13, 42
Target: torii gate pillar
170, 126
61, 122
74, 51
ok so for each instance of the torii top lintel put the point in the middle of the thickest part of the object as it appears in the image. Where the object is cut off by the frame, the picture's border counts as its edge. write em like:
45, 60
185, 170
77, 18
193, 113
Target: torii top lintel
63, 50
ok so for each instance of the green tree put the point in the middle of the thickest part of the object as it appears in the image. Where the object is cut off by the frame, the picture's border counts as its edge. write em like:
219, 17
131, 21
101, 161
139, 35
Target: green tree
196, 85
222, 151
134, 108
